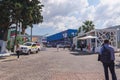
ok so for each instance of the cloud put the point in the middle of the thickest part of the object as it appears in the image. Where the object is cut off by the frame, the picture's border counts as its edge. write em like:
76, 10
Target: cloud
108, 12
62, 7
110, 2
64, 14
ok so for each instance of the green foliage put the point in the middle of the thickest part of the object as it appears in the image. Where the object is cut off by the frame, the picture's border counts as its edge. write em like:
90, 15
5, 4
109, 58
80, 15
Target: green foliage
87, 26
31, 13
15, 11
19, 40
4, 12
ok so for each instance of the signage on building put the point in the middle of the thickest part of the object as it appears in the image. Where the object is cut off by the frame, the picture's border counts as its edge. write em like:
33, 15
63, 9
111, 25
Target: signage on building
44, 40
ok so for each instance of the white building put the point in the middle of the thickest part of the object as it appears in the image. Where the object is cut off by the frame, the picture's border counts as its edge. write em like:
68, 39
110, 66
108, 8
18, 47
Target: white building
94, 39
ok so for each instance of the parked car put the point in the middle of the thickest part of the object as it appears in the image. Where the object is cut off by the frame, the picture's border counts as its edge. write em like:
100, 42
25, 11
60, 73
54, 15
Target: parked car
38, 46
29, 47
61, 45
49, 45
67, 46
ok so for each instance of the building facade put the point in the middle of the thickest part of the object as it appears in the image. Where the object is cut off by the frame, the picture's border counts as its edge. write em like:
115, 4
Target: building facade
93, 43
63, 38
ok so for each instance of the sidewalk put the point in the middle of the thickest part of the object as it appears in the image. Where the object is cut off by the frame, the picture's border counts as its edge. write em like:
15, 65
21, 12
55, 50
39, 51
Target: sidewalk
7, 58
6, 53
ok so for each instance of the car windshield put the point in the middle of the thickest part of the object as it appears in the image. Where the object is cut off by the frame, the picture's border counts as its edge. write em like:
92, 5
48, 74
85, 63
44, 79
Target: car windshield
27, 44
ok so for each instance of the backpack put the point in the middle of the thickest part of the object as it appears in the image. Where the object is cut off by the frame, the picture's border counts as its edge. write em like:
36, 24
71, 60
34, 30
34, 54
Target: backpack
105, 57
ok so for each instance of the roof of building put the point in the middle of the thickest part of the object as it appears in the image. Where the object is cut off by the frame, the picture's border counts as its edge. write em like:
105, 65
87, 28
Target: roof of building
114, 27
61, 35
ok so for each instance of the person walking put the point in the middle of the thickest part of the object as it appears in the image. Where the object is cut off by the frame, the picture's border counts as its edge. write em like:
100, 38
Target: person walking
107, 58
18, 50
73, 47
58, 47
64, 47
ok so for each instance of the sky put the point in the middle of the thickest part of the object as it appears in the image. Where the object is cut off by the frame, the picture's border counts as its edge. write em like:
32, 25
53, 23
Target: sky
60, 15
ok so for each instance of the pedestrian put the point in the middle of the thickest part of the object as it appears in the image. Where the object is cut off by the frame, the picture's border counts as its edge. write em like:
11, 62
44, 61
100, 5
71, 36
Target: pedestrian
18, 50
64, 47
58, 47
73, 47
107, 57
93, 47
81, 47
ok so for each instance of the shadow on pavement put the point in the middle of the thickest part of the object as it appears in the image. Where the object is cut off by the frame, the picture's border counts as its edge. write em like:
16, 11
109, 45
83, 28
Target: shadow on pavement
79, 53
9, 60
21, 54
2, 58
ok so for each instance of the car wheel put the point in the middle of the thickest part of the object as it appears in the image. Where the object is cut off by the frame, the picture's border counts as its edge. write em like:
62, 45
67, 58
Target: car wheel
37, 51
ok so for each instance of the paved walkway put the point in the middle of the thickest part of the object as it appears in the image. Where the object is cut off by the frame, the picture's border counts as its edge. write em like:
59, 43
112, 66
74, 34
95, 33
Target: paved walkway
54, 65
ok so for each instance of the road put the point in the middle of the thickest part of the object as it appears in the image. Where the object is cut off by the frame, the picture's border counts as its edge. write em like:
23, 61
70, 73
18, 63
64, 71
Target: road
54, 65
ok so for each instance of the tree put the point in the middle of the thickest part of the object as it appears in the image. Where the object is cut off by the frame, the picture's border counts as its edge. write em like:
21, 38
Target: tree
4, 18
31, 13
5, 22
87, 26
15, 11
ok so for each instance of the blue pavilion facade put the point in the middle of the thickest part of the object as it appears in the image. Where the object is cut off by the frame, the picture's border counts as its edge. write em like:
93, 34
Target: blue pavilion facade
63, 38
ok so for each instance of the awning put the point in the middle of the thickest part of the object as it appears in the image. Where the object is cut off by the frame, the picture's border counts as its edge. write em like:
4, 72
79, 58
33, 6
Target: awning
87, 37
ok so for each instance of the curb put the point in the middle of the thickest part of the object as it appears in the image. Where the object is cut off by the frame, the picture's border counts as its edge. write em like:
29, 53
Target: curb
7, 58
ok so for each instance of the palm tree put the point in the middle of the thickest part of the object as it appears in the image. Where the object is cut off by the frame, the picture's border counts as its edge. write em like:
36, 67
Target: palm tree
31, 13
16, 16
87, 26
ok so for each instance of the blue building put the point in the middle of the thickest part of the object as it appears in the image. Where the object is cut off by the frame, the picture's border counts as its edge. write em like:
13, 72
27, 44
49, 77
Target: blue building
64, 37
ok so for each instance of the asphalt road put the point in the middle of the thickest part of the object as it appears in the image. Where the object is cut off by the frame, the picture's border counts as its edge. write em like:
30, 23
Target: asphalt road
54, 65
